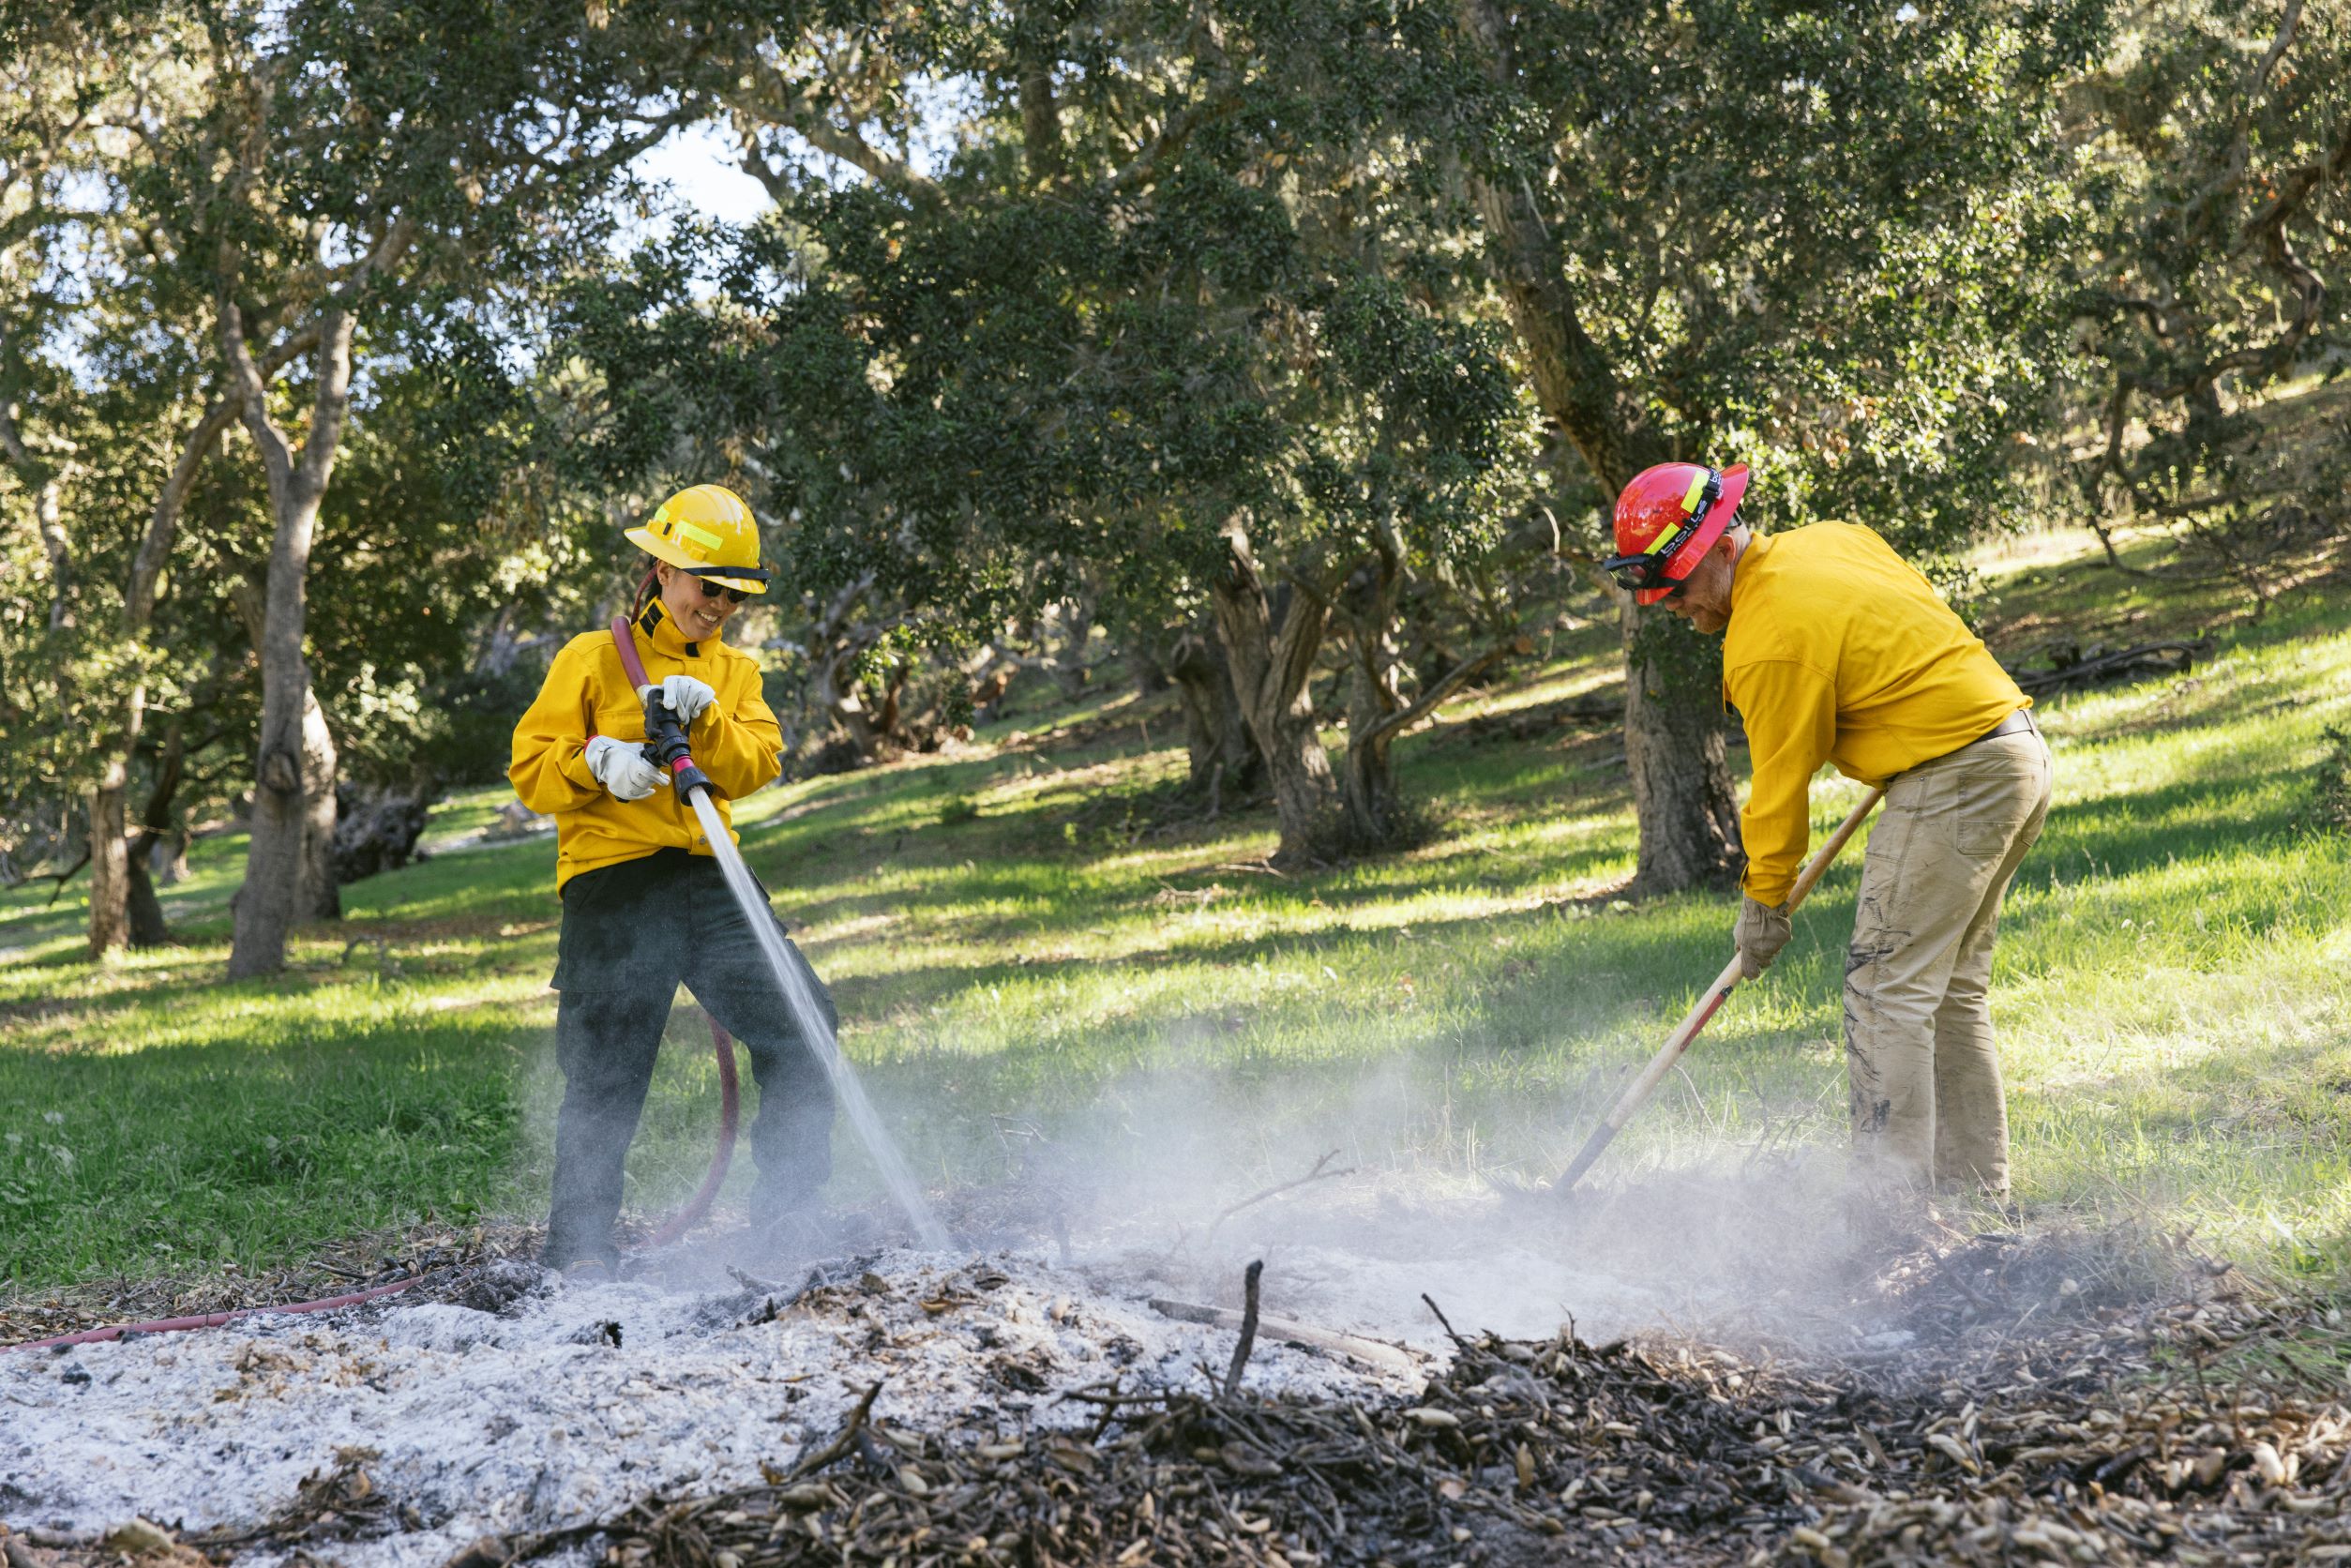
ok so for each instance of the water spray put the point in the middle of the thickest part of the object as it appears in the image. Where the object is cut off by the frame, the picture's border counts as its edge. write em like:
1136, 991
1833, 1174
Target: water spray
668, 749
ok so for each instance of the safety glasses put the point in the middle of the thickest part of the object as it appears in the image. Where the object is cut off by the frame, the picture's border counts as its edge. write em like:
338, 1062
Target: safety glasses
711, 591
1647, 569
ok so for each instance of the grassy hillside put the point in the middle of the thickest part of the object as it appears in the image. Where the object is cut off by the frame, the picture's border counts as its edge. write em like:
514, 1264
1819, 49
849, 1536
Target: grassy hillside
1028, 942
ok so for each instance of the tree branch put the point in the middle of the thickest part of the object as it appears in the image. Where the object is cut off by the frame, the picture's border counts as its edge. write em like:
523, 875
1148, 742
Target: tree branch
1574, 383
146, 568
778, 102
1434, 697
754, 163
65, 876
1173, 134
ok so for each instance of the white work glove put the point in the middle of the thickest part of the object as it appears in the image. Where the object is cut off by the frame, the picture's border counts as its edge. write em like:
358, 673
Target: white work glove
620, 767
686, 696
1763, 930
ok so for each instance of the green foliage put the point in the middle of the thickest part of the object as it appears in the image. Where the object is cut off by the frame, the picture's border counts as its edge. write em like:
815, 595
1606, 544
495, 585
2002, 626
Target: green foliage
422, 560
1819, 242
398, 159
2210, 283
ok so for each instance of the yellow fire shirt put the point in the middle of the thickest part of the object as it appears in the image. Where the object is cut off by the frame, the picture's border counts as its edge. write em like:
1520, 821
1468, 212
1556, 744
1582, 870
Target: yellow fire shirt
736, 742
1838, 651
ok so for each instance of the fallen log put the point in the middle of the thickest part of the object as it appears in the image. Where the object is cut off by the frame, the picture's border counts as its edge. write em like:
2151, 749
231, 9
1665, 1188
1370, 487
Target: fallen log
1371, 1352
2074, 668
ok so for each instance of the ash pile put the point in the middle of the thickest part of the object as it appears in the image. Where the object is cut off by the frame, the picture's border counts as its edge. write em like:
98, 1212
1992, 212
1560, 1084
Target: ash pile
519, 1402
1986, 1399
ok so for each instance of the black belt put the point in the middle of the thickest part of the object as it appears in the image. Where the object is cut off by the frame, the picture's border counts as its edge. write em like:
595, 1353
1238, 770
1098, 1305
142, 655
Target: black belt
2014, 724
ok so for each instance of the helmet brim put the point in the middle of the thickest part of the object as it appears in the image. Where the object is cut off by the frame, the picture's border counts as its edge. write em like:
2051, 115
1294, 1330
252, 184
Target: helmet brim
663, 549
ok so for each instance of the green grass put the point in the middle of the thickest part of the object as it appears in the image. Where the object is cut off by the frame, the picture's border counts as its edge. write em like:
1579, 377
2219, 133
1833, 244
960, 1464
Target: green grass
1017, 943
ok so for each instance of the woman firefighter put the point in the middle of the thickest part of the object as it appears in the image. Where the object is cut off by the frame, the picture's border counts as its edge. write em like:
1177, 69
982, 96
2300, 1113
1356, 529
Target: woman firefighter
645, 906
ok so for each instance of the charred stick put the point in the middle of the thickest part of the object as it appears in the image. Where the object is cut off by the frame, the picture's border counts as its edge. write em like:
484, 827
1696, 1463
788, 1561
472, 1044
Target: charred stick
1109, 1414
2122, 1464
1944, 1266
1445, 1322
1248, 1319
881, 1464
843, 1441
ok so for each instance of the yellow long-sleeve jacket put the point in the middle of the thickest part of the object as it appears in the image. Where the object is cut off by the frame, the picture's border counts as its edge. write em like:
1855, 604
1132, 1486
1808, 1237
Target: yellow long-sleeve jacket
1838, 651
736, 741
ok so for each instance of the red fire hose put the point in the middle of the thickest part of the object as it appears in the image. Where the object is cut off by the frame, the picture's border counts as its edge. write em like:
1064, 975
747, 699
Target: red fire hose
208, 1319
729, 1094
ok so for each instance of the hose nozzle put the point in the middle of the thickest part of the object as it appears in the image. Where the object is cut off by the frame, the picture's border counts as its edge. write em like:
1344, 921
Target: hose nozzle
666, 749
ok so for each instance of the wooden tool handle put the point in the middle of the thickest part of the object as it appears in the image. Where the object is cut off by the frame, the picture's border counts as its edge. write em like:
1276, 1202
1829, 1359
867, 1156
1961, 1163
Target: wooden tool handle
1636, 1095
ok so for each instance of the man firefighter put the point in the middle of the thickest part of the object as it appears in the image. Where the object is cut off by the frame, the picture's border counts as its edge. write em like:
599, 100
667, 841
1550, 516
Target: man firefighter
1835, 650
645, 906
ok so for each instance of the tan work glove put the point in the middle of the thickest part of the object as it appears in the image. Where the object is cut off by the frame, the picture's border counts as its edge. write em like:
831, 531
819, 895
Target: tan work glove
1761, 932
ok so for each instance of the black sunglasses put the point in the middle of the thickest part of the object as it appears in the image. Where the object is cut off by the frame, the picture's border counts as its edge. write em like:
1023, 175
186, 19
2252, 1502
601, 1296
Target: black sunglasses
1647, 569
711, 591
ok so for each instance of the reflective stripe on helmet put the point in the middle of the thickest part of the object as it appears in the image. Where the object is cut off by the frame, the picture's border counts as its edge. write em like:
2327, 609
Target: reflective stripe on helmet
1697, 488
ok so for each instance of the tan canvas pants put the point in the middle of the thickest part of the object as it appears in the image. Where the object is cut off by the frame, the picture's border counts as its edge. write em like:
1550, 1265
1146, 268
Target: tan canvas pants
1926, 1099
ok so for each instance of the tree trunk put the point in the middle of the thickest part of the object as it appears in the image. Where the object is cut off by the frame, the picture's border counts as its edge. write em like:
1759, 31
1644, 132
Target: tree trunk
317, 896
294, 793
46, 483
109, 878
168, 863
503, 647
1271, 647
837, 644
1674, 747
377, 826
147, 928
1378, 711
1224, 754
48, 517
1070, 671
1373, 691
1036, 39
273, 860
1672, 722
1150, 673
109, 849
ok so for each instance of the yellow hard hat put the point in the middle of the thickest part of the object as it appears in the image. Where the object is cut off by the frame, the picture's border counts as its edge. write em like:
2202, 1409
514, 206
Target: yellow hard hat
707, 531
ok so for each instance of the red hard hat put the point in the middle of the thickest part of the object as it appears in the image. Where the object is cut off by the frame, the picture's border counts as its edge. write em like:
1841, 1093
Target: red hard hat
1667, 520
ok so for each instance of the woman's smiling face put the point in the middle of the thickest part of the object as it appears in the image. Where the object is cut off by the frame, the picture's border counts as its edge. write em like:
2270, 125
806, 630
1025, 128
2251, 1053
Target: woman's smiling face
701, 616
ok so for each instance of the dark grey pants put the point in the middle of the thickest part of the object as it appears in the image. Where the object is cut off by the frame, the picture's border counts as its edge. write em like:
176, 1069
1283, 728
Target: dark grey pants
632, 933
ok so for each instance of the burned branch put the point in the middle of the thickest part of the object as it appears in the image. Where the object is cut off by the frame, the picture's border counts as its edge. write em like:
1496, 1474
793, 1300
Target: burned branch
1248, 1328
1319, 1172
